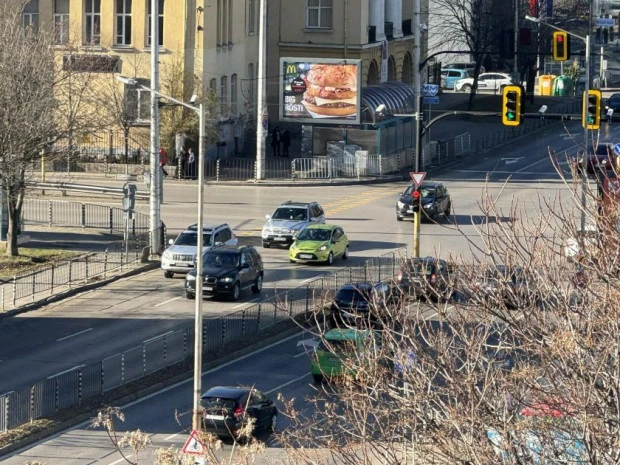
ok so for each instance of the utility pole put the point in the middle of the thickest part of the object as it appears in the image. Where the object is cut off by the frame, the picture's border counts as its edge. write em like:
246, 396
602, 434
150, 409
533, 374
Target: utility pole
154, 191
262, 115
417, 90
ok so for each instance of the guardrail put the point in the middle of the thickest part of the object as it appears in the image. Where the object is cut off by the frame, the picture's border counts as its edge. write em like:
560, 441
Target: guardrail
64, 187
77, 386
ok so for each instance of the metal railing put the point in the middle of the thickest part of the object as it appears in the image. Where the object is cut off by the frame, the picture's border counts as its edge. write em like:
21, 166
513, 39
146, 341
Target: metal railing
74, 387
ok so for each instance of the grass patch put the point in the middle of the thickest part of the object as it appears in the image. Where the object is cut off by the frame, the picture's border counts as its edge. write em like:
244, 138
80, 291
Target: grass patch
30, 260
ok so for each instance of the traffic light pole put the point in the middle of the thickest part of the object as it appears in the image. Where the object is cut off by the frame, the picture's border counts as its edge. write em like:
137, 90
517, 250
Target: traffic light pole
417, 88
584, 174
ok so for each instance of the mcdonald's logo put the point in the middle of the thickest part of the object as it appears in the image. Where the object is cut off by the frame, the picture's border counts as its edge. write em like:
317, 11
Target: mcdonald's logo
291, 69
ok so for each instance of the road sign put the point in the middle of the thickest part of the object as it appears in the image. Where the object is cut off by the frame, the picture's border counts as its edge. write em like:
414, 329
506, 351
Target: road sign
430, 90
604, 22
193, 445
417, 177
430, 100
617, 149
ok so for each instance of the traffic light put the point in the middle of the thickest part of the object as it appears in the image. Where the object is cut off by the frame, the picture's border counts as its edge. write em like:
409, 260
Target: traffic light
511, 105
561, 46
415, 195
591, 117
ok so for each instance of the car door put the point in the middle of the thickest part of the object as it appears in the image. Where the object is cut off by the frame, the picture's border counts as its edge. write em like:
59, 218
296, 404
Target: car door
261, 409
246, 272
484, 81
338, 242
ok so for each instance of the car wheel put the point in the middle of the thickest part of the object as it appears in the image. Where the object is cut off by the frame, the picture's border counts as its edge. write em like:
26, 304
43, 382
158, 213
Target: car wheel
258, 286
317, 378
330, 259
274, 423
266, 244
466, 88
189, 295
345, 254
168, 274
236, 291
399, 218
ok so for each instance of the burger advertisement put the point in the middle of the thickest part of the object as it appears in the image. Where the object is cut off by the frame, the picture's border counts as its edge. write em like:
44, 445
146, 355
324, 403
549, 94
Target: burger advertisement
320, 90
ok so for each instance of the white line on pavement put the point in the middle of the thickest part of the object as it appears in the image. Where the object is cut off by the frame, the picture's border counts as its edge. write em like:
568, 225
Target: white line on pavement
277, 388
73, 335
299, 355
166, 302
172, 436
120, 460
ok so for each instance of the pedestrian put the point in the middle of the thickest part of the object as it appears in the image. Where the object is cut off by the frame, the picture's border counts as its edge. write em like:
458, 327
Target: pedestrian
286, 142
184, 155
163, 159
191, 164
275, 141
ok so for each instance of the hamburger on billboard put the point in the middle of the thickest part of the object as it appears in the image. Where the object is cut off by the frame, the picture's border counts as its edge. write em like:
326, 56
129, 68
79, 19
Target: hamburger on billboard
320, 90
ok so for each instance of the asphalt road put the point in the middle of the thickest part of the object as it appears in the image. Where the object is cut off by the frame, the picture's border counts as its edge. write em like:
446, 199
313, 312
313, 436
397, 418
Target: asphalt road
87, 327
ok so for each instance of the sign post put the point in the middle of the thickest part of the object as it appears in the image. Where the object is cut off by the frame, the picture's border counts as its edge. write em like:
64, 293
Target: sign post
417, 179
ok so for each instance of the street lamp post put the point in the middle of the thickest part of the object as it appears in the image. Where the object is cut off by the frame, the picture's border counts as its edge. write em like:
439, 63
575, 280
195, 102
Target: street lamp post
584, 174
199, 109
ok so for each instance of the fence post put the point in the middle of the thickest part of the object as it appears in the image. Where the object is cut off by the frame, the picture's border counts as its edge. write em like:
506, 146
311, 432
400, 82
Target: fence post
105, 263
34, 277
70, 271
258, 317
223, 330
111, 219
217, 169
80, 386
243, 322
307, 302
52, 283
86, 266
143, 359
50, 218
83, 214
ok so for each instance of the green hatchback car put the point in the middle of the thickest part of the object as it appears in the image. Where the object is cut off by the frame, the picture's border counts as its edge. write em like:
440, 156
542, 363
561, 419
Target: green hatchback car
338, 345
319, 243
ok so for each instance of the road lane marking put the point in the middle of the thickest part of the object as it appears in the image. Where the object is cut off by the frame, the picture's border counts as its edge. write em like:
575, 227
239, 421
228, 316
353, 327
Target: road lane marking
73, 335
66, 371
300, 355
287, 383
172, 436
121, 460
166, 302
530, 165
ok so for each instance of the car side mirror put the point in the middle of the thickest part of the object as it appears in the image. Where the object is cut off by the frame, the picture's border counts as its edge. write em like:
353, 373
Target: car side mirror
267, 217
218, 243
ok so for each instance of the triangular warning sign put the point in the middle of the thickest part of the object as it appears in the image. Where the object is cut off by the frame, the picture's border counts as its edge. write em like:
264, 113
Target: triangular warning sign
417, 178
193, 445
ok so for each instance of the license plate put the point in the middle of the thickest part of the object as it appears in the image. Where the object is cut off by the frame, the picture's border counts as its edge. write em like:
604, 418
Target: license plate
207, 288
305, 256
208, 416
281, 239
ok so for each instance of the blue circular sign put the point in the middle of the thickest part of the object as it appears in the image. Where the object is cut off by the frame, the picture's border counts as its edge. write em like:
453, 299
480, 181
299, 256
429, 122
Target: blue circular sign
617, 149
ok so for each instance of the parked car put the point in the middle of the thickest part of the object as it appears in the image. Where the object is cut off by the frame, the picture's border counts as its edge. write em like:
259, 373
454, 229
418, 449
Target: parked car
486, 81
612, 103
601, 158
503, 283
180, 256
361, 304
434, 197
468, 66
288, 220
425, 277
228, 270
337, 345
319, 243
228, 408
450, 76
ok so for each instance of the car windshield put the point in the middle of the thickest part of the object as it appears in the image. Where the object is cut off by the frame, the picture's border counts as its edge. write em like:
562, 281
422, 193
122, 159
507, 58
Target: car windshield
427, 192
601, 149
337, 346
315, 235
191, 238
351, 295
299, 214
221, 259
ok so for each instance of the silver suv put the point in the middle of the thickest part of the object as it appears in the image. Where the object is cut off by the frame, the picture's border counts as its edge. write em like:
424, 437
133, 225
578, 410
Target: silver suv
288, 220
181, 255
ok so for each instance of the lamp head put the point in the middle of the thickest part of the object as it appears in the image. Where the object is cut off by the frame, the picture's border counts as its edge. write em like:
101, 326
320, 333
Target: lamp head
194, 99
380, 108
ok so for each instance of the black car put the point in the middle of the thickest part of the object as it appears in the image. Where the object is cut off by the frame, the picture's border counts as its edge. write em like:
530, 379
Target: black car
227, 270
600, 158
227, 409
434, 197
612, 103
358, 305
425, 277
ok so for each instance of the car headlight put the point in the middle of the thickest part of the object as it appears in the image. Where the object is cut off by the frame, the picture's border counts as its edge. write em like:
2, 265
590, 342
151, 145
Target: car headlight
227, 279
428, 205
190, 277
166, 255
323, 248
400, 204
294, 232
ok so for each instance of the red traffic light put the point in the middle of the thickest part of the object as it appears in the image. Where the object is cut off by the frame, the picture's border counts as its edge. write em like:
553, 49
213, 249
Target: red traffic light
559, 38
416, 194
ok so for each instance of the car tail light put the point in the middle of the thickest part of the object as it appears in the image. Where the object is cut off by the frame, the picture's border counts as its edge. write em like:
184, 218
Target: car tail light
399, 276
433, 278
238, 411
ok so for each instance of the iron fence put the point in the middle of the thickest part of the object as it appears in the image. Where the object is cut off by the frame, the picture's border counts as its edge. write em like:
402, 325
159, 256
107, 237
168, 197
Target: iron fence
118, 256
73, 387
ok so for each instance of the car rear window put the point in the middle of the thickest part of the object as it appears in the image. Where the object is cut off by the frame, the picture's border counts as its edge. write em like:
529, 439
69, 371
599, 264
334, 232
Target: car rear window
420, 268
351, 295
337, 346
218, 403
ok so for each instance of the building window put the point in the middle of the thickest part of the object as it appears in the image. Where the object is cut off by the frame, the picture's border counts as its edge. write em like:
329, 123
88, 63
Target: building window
92, 22
160, 24
213, 86
233, 93
223, 94
123, 22
319, 14
251, 16
31, 15
61, 22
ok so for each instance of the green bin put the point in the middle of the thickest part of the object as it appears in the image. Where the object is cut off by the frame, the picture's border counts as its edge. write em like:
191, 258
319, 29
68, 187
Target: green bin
563, 86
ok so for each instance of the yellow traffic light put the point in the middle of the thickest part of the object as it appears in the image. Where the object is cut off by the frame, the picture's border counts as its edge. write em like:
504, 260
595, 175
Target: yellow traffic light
511, 105
591, 116
561, 46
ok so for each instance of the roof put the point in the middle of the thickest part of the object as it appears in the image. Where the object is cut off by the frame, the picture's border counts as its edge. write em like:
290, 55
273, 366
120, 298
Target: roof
225, 392
205, 227
321, 226
346, 334
291, 203
227, 249
398, 97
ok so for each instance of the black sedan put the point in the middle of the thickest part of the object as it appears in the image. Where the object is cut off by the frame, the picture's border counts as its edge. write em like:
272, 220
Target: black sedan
227, 409
612, 103
361, 305
434, 197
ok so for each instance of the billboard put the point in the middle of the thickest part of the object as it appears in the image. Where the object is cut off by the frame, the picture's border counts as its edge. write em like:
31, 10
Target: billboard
315, 90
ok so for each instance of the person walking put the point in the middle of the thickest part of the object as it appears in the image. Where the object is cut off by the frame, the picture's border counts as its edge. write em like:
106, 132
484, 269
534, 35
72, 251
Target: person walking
286, 142
191, 164
275, 141
163, 159
183, 156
